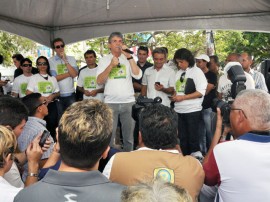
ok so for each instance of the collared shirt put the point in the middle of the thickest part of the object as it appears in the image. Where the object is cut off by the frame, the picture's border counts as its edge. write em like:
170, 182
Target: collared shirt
108, 167
166, 77
259, 80
33, 127
240, 168
58, 67
72, 186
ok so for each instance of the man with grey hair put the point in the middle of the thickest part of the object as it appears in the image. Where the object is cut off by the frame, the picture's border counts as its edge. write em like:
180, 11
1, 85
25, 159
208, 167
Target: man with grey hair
158, 80
84, 134
115, 71
156, 190
240, 168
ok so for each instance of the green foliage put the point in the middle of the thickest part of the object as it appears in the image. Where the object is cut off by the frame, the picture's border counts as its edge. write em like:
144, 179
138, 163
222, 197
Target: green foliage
11, 44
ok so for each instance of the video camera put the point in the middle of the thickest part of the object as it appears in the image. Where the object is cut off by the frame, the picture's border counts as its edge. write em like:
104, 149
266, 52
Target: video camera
238, 78
141, 103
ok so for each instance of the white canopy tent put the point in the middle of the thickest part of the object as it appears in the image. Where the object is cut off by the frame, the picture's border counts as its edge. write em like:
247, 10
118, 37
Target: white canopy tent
76, 20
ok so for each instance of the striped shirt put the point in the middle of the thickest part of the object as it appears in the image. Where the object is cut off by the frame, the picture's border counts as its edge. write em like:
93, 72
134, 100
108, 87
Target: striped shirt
258, 79
33, 127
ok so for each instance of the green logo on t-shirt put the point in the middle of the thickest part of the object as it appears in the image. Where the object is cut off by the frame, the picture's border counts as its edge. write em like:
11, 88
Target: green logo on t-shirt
45, 87
118, 72
180, 86
90, 82
61, 69
23, 88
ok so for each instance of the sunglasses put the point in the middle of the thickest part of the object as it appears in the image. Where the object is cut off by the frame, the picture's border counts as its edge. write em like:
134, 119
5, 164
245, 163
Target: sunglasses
42, 63
182, 77
60, 46
43, 103
27, 65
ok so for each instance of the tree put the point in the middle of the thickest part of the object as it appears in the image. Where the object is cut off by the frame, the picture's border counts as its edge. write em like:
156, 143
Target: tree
11, 44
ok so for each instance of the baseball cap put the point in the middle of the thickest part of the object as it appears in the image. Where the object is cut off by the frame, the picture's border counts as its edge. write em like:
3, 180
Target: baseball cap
203, 57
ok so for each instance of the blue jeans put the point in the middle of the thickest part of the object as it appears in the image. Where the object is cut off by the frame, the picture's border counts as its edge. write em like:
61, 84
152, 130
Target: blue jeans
123, 111
64, 103
206, 132
188, 132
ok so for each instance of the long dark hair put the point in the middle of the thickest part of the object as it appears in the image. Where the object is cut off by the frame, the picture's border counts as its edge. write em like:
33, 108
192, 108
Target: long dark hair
48, 64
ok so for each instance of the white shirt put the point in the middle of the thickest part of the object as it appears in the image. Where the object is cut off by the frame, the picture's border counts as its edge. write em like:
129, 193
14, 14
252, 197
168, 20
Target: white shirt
58, 67
13, 176
224, 85
38, 84
198, 77
118, 87
165, 76
88, 80
7, 191
20, 85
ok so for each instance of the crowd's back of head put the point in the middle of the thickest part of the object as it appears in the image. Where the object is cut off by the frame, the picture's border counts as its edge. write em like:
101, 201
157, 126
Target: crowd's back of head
158, 126
84, 133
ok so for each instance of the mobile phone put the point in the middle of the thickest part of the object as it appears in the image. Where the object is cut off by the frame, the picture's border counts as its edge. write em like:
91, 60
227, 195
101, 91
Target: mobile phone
158, 83
43, 138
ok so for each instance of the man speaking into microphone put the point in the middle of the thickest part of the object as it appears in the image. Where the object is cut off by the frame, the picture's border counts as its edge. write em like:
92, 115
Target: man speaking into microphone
115, 71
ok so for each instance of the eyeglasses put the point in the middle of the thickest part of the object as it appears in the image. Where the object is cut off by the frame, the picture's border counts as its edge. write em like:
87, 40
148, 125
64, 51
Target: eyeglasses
27, 65
42, 63
60, 46
182, 77
240, 110
43, 103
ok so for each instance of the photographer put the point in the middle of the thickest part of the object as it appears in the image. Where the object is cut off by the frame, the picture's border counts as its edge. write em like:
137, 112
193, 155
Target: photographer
232, 165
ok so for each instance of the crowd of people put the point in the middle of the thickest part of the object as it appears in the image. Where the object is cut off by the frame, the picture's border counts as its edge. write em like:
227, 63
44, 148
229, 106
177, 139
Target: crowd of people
177, 155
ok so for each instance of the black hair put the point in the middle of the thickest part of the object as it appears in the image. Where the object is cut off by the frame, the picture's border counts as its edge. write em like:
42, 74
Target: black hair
17, 56
92, 52
215, 58
1, 59
56, 40
158, 126
184, 54
32, 101
48, 64
143, 48
25, 60
12, 111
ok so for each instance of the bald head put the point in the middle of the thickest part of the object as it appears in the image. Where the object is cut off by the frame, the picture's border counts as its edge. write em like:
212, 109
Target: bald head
233, 57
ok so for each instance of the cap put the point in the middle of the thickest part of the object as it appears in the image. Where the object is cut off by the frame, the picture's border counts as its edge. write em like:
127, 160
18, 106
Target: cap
203, 57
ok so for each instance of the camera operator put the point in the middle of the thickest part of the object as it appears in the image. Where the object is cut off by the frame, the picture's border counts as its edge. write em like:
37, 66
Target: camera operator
240, 168
225, 83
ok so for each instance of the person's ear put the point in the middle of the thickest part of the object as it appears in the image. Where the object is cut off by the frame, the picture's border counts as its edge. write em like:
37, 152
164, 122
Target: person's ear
105, 153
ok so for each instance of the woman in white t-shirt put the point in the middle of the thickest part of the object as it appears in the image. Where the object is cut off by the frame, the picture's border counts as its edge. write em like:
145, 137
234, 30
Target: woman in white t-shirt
47, 86
190, 87
7, 147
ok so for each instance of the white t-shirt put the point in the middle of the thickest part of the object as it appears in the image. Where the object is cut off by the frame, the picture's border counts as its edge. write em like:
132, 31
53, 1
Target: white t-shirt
196, 75
13, 177
118, 87
38, 84
166, 77
20, 85
58, 67
7, 191
88, 80
224, 85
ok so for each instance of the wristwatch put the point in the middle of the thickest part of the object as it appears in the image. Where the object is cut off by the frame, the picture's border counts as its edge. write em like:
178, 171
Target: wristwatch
130, 58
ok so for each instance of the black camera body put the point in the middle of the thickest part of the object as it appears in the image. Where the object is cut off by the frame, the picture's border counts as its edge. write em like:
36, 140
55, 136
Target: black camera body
141, 103
238, 78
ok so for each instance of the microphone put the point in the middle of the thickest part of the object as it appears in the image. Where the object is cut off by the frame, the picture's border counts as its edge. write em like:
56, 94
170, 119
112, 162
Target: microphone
128, 51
